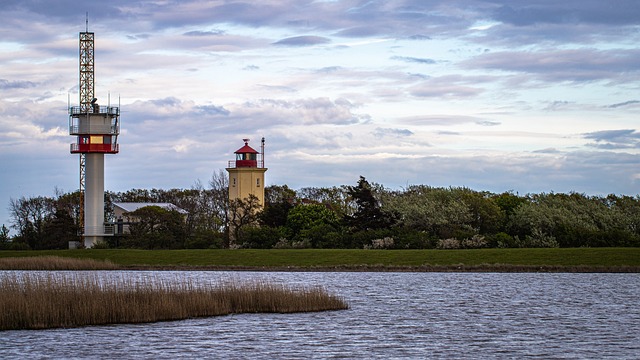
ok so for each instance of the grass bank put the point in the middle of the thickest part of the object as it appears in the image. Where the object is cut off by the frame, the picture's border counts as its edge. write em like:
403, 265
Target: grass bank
30, 301
558, 259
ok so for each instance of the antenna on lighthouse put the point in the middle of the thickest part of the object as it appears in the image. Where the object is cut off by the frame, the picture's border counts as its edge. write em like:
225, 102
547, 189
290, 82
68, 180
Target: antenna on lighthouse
87, 22
262, 152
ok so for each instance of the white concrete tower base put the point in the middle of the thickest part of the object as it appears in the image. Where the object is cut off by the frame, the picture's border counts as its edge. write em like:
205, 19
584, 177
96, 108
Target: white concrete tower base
94, 199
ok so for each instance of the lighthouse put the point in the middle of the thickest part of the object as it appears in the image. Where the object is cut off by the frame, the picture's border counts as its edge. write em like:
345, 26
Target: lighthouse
246, 173
96, 129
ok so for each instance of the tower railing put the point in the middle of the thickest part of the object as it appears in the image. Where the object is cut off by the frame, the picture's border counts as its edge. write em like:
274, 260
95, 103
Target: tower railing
110, 110
95, 148
88, 129
105, 229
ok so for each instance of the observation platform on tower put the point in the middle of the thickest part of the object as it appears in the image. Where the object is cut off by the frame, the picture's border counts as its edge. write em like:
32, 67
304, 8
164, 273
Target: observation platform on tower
97, 129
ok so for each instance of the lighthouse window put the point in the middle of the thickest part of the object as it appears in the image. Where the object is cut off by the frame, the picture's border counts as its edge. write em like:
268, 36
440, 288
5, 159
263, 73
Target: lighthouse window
106, 140
258, 182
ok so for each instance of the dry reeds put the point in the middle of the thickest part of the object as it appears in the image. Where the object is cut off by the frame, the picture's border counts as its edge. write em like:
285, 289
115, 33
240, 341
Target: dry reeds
31, 301
54, 263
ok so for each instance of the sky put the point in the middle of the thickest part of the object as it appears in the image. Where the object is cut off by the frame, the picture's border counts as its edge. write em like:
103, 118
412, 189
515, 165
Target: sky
494, 95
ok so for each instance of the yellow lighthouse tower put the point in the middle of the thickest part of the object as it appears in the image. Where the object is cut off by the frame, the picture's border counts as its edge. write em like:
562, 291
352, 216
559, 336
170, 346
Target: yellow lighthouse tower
246, 173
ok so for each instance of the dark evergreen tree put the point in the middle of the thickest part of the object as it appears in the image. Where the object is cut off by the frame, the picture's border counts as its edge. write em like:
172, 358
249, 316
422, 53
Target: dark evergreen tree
368, 214
58, 230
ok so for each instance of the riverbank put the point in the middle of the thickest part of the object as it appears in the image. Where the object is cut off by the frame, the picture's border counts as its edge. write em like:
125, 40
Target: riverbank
473, 260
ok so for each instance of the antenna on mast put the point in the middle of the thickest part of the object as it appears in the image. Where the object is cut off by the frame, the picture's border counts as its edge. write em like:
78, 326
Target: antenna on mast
87, 22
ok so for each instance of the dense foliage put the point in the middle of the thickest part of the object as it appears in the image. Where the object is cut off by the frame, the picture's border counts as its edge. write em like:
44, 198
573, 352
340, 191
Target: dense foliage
362, 216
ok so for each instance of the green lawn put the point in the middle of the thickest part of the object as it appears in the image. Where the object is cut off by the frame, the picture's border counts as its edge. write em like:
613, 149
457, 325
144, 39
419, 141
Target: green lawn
313, 258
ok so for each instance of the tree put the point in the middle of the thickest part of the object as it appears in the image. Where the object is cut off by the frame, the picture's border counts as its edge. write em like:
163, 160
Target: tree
368, 214
260, 237
29, 216
437, 211
58, 231
487, 217
218, 199
335, 198
242, 213
4, 237
303, 218
278, 201
153, 227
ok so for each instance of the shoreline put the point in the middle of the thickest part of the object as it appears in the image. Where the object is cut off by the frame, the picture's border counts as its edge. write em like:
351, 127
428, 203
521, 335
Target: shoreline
483, 268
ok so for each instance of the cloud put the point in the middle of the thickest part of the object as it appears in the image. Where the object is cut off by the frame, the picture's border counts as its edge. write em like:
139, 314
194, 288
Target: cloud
301, 111
571, 11
389, 132
450, 86
278, 88
329, 69
614, 139
576, 65
440, 120
16, 84
204, 33
302, 41
419, 37
624, 104
488, 123
547, 151
213, 110
414, 60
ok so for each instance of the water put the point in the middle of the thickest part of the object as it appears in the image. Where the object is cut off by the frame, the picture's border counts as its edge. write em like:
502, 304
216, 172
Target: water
391, 315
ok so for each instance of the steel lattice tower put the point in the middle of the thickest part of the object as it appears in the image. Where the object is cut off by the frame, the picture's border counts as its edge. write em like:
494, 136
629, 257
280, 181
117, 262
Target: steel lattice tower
87, 89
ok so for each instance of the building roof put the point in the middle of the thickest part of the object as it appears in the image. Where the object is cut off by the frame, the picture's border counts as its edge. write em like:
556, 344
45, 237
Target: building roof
246, 149
133, 206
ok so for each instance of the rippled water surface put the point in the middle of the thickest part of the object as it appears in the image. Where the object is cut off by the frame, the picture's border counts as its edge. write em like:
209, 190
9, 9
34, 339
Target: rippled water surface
391, 315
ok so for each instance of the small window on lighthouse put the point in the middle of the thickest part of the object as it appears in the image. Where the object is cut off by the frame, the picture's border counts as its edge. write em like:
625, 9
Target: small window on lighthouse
258, 182
234, 181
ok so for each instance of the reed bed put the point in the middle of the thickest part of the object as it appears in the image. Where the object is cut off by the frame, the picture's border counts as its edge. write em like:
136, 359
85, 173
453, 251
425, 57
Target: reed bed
54, 263
40, 301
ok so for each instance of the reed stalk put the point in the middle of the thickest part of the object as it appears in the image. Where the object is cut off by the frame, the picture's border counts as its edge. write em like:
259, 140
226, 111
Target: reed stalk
37, 301
54, 263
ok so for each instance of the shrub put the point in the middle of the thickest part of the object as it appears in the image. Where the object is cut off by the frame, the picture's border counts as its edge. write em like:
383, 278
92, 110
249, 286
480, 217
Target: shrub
384, 243
450, 243
475, 242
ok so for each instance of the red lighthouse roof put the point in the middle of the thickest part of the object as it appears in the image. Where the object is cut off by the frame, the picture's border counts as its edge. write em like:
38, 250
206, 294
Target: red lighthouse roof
246, 149
246, 156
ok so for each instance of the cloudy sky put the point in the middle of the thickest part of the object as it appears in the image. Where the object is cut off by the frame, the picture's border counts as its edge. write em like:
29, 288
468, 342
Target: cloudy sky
496, 95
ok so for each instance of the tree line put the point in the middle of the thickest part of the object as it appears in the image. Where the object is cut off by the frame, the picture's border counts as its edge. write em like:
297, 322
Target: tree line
364, 215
